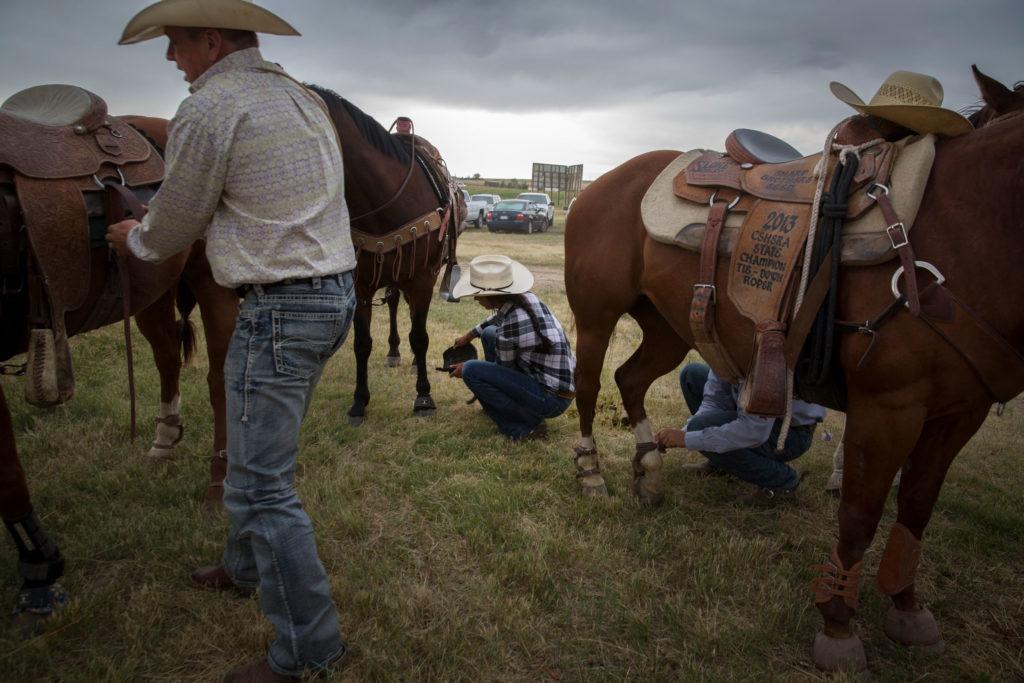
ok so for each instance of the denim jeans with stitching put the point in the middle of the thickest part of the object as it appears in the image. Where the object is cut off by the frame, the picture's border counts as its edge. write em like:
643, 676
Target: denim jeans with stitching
759, 465
515, 401
283, 338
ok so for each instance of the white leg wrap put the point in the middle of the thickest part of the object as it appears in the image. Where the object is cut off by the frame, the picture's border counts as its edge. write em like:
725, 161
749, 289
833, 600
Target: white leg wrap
643, 432
166, 434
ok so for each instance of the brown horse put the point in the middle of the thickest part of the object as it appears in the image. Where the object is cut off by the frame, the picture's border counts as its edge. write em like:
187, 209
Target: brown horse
154, 288
387, 188
913, 404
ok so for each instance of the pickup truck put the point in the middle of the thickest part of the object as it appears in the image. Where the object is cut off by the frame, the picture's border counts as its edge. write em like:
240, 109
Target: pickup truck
476, 208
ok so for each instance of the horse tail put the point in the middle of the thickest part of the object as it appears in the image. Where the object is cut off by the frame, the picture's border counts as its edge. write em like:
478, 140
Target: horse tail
186, 302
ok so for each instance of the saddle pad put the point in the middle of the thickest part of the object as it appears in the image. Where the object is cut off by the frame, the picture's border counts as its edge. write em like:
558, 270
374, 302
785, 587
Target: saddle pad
665, 216
671, 220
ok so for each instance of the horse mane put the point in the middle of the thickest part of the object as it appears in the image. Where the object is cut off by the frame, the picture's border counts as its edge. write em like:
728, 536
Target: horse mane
371, 130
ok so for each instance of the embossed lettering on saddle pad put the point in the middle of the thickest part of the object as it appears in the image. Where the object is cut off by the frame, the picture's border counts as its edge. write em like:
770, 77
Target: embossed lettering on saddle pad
675, 221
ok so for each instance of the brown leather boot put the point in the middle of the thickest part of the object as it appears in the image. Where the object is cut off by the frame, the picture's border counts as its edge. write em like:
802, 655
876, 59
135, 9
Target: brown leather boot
257, 672
217, 578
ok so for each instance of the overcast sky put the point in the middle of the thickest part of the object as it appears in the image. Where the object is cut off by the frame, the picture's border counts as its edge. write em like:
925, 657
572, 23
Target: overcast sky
499, 85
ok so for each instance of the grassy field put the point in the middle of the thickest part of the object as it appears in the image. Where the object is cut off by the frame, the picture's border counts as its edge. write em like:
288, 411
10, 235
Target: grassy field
457, 556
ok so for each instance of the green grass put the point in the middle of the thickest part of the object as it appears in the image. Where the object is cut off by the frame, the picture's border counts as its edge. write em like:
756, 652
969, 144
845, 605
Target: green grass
457, 556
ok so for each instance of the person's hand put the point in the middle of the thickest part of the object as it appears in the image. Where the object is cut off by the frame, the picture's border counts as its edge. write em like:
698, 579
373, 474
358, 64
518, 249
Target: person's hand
463, 340
117, 236
671, 438
456, 370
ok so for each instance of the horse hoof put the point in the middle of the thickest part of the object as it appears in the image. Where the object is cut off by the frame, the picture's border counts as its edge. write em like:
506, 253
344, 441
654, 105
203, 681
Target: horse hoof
593, 489
356, 420
915, 629
36, 605
158, 454
839, 654
647, 478
393, 361
424, 406
426, 412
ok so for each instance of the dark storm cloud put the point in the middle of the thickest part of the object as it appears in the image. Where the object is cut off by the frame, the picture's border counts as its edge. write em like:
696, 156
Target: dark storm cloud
652, 73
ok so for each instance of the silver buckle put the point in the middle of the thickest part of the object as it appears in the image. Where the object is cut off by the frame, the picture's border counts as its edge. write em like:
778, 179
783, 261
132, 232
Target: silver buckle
902, 231
877, 186
729, 207
711, 287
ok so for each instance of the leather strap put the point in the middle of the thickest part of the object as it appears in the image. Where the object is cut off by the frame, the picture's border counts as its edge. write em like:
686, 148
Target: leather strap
117, 213
410, 232
901, 243
801, 324
702, 307
835, 580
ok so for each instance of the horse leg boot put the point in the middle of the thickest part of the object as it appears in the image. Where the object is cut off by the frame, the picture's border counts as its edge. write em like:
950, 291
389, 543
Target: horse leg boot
394, 357
418, 299
647, 462
908, 622
876, 442
362, 344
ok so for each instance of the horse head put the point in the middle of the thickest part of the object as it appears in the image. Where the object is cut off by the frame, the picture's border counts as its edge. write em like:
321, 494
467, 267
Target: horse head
998, 99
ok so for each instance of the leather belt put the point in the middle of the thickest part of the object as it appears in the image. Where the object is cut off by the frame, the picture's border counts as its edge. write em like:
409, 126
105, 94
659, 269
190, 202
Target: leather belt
242, 290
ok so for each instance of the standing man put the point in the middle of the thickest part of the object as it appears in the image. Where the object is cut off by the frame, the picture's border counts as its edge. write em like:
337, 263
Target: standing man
737, 443
254, 167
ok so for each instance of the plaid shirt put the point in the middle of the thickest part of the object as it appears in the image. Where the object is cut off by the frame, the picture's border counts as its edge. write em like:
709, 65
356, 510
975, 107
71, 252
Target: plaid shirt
518, 345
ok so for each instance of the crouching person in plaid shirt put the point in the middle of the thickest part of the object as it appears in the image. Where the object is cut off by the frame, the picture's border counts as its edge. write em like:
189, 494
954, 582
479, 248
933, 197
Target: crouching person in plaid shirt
527, 374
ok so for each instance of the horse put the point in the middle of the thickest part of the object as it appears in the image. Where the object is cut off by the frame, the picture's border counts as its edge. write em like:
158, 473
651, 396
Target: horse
913, 404
154, 292
394, 186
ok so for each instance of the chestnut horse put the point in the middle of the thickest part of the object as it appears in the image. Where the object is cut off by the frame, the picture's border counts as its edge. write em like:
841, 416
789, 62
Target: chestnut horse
385, 189
913, 404
154, 288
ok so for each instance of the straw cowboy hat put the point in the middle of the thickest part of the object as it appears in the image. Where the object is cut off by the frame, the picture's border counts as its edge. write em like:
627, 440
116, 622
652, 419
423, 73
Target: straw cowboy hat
910, 99
242, 15
493, 275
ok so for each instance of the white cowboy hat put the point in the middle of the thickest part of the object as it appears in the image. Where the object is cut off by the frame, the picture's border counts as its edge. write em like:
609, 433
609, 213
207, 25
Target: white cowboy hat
910, 99
242, 15
493, 275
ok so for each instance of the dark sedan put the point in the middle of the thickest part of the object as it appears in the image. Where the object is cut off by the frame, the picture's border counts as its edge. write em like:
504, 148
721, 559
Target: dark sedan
517, 215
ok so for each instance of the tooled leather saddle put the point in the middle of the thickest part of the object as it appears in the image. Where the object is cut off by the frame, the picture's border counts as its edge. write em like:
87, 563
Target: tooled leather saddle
60, 153
761, 194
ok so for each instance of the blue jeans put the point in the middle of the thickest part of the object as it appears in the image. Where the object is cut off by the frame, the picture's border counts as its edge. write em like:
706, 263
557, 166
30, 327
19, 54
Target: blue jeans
283, 338
760, 465
515, 401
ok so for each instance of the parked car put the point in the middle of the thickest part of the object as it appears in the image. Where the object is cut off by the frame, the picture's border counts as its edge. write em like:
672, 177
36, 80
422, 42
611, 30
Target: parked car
517, 214
541, 199
476, 209
489, 201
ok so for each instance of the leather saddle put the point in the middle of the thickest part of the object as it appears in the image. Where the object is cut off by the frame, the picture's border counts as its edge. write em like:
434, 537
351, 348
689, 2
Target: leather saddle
757, 202
58, 149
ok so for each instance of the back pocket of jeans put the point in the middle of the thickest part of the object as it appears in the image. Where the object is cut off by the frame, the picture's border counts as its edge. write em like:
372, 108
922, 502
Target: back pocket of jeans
303, 341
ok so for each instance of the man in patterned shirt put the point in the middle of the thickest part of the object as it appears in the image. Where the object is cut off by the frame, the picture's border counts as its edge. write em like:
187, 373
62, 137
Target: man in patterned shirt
528, 371
254, 167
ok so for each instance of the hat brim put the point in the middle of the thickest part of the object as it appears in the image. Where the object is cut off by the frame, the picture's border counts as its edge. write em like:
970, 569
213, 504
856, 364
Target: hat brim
522, 281
240, 15
918, 118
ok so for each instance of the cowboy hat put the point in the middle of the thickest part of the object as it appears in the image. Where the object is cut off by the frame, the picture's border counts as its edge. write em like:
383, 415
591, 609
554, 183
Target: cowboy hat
910, 99
242, 15
493, 275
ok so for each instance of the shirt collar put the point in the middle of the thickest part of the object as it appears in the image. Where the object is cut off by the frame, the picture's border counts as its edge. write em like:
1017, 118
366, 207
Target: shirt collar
241, 59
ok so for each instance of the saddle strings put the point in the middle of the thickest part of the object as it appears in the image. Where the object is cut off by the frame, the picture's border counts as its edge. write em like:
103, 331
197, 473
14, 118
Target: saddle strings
805, 271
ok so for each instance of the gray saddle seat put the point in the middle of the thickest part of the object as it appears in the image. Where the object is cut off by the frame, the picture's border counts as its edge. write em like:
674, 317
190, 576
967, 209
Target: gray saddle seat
749, 146
56, 105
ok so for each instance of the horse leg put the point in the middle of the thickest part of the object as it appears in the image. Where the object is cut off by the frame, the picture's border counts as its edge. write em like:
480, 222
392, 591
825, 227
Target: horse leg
879, 437
40, 562
156, 322
907, 622
660, 350
218, 307
418, 299
394, 357
592, 335
362, 344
